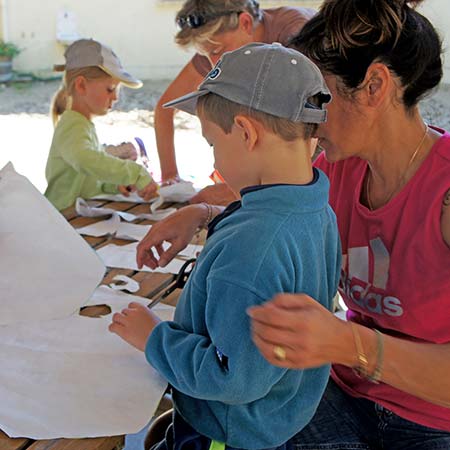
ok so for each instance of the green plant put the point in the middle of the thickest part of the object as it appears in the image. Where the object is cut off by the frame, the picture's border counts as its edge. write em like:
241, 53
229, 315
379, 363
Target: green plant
8, 49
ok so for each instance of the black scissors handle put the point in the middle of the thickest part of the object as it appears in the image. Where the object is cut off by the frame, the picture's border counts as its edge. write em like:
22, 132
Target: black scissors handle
178, 282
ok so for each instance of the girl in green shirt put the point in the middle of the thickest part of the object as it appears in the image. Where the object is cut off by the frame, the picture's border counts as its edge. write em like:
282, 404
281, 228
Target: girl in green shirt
77, 164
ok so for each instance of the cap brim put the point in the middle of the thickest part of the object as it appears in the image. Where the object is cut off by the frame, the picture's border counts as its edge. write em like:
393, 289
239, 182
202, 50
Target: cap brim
124, 77
188, 102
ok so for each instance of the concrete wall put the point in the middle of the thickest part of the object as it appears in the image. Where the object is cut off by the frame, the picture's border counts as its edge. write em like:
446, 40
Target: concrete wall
142, 36
438, 12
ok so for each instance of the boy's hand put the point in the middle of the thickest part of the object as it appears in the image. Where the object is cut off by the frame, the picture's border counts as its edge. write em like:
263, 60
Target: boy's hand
178, 229
134, 324
127, 190
150, 191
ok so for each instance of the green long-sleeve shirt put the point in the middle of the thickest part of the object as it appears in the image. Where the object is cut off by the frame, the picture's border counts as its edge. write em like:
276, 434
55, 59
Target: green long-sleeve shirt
77, 166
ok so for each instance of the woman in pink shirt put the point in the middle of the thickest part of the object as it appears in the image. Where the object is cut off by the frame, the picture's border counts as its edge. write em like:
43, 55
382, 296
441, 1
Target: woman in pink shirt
390, 188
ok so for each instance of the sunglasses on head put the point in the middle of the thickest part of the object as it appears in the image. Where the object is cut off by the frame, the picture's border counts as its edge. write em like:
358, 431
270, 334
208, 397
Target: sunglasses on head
197, 20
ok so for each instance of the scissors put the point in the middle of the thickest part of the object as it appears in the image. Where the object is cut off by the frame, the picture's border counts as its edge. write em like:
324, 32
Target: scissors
142, 152
177, 282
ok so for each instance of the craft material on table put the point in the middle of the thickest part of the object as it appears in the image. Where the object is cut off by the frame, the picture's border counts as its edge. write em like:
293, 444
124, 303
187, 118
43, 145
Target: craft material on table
179, 192
62, 374
72, 378
115, 227
41, 255
83, 208
124, 257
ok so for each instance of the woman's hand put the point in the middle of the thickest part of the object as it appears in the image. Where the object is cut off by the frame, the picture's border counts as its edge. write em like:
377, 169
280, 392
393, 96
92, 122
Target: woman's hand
295, 331
178, 229
215, 194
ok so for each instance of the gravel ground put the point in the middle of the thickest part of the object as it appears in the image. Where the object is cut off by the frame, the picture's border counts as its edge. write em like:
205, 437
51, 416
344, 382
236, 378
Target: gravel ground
137, 105
134, 105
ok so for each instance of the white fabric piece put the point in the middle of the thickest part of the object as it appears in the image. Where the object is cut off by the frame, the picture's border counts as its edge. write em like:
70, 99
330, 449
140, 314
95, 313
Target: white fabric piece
114, 227
124, 257
61, 374
102, 228
178, 193
83, 209
72, 378
41, 256
124, 283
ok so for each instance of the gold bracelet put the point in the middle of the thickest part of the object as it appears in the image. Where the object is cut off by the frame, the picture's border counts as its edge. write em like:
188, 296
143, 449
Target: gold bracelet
209, 216
363, 363
375, 376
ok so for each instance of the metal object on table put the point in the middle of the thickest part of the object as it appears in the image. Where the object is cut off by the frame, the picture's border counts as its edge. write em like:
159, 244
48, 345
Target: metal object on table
177, 282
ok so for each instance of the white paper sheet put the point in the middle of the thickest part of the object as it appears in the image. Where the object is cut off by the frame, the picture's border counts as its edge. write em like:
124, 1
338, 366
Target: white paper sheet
83, 208
73, 378
41, 256
179, 193
61, 374
114, 227
124, 283
124, 257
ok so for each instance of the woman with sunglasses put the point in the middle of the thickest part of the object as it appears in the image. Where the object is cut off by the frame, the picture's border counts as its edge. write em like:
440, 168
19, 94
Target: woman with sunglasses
213, 27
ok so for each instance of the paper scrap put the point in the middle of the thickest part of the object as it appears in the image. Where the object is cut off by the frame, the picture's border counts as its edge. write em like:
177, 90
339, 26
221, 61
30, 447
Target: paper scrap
114, 227
177, 193
84, 210
124, 283
124, 257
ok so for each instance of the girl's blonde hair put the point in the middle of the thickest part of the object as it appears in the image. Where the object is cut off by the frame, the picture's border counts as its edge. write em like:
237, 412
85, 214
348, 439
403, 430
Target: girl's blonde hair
62, 100
223, 16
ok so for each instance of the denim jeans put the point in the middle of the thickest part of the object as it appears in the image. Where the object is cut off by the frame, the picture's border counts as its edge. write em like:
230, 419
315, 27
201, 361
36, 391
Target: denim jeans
348, 423
181, 436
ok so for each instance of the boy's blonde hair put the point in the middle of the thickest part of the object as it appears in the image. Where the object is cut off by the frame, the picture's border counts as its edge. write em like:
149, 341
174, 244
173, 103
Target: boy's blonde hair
224, 16
62, 99
222, 112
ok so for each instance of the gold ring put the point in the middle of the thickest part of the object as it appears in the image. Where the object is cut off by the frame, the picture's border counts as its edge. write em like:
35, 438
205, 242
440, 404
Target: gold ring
279, 352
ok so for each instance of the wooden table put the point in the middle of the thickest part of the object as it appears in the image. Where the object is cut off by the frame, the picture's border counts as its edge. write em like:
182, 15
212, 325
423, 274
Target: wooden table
149, 282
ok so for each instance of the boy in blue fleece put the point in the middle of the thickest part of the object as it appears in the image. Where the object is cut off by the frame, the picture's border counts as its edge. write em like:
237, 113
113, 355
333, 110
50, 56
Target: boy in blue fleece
259, 109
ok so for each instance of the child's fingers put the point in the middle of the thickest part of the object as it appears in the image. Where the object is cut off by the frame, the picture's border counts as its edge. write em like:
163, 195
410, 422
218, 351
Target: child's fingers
119, 318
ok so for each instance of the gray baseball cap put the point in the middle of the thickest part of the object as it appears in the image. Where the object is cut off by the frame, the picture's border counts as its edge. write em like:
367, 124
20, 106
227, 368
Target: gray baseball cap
87, 52
265, 77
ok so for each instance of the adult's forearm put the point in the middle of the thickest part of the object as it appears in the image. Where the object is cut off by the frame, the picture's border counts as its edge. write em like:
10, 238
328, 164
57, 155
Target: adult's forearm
416, 368
419, 369
165, 135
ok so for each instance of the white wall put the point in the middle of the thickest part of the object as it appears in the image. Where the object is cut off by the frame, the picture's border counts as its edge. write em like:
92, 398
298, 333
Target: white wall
438, 12
140, 31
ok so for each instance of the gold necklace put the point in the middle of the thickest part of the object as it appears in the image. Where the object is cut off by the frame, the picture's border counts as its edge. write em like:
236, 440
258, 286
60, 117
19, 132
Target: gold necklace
402, 179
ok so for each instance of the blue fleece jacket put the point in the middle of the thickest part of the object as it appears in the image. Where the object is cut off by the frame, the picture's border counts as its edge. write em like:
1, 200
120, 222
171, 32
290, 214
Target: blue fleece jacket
283, 239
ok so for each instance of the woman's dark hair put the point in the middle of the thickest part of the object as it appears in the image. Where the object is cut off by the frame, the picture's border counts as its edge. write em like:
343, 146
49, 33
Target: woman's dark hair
346, 36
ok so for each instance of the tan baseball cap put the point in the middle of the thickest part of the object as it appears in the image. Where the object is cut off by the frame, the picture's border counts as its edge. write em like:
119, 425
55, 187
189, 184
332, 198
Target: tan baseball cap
87, 52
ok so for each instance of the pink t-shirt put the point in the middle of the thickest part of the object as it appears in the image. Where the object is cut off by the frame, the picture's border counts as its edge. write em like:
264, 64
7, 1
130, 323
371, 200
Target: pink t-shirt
395, 269
280, 25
